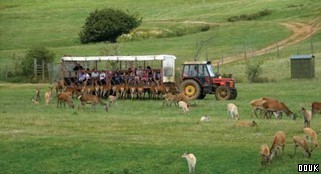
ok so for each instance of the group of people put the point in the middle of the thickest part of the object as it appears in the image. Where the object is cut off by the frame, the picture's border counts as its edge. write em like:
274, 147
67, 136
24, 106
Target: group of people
113, 77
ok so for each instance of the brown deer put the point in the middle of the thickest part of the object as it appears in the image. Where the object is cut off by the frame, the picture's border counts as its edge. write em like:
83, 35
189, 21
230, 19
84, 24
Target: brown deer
112, 99
311, 135
132, 91
169, 98
105, 90
265, 154
275, 106
65, 97
301, 142
257, 104
91, 99
48, 95
246, 124
59, 86
316, 107
278, 142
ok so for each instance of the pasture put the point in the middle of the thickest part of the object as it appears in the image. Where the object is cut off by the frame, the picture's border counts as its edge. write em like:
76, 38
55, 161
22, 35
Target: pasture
143, 137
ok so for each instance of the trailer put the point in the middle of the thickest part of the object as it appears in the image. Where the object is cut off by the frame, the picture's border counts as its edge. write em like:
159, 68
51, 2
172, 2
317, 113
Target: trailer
126, 64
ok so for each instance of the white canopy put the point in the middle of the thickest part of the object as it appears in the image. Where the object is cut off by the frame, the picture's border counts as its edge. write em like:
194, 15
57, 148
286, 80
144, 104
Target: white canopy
119, 58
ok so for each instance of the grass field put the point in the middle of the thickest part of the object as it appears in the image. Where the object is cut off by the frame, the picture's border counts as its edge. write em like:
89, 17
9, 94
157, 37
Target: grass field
144, 137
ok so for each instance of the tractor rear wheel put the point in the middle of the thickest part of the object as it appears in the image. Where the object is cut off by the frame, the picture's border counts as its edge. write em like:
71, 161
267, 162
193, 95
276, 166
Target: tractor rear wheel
191, 89
222, 93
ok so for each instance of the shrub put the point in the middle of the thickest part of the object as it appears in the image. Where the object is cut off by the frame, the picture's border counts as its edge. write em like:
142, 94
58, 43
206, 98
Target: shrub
249, 17
39, 53
107, 25
253, 70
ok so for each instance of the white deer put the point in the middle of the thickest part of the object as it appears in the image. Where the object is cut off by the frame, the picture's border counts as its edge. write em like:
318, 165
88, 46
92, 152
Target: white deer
191, 160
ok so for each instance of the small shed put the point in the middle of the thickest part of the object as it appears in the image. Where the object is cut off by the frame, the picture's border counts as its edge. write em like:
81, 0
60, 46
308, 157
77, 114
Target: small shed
302, 66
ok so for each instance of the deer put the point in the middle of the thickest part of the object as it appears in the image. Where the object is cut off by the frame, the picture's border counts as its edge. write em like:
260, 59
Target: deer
275, 106
232, 111
301, 142
132, 91
257, 104
65, 97
169, 98
246, 124
278, 142
91, 99
48, 95
191, 161
112, 99
184, 106
205, 118
316, 107
307, 116
104, 90
60, 85
311, 135
265, 154
36, 100
140, 92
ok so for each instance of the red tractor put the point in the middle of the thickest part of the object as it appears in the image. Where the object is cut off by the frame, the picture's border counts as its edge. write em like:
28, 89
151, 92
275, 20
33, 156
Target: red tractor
198, 79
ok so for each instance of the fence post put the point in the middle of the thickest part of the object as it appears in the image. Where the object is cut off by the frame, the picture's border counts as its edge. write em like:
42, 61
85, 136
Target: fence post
6, 73
35, 68
312, 47
277, 50
43, 69
244, 51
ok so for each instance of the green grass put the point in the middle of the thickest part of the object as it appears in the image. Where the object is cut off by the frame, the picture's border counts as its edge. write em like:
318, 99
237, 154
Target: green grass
141, 136
144, 137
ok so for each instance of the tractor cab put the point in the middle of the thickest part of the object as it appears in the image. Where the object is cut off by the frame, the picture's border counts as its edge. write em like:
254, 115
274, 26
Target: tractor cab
198, 69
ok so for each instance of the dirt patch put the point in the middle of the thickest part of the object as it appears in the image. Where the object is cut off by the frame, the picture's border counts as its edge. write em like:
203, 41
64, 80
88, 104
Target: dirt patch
301, 31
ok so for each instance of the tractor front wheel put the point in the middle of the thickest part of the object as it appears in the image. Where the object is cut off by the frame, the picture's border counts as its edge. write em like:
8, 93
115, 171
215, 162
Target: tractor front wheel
222, 93
191, 89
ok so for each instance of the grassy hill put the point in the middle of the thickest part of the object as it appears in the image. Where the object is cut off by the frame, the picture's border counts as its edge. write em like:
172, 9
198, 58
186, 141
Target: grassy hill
56, 25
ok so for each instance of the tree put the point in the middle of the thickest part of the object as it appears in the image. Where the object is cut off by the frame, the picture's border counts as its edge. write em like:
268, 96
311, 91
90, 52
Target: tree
107, 25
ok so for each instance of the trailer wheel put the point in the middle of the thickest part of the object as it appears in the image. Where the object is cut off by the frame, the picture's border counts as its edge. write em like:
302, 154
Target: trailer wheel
222, 93
191, 89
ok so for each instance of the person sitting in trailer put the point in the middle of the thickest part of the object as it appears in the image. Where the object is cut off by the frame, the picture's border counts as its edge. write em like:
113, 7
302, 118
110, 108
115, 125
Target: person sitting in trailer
131, 77
139, 71
144, 77
87, 77
81, 76
94, 75
78, 67
102, 78
117, 78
